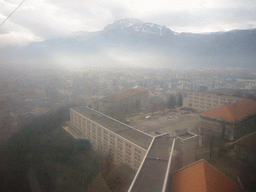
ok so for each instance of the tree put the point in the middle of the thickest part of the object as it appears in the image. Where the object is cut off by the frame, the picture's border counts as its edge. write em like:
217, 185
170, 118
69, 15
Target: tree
153, 107
180, 101
171, 102
163, 106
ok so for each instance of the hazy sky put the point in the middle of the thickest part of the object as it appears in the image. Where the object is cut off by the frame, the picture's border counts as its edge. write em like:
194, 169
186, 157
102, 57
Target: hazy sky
37, 20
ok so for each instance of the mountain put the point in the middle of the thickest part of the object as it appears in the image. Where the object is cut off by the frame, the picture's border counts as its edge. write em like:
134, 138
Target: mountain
131, 42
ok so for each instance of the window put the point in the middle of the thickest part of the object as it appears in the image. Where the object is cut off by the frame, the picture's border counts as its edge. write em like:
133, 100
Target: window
120, 147
79, 120
128, 145
84, 122
137, 150
112, 142
127, 159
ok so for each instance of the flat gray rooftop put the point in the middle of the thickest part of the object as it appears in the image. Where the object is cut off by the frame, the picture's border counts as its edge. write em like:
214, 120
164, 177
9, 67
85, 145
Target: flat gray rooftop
153, 171
129, 133
186, 135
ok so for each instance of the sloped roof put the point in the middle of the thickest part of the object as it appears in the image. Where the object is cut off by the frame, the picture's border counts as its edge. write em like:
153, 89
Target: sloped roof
123, 95
233, 111
202, 177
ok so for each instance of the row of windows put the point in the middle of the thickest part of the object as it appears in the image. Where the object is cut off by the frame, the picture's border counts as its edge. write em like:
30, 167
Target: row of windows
208, 96
92, 126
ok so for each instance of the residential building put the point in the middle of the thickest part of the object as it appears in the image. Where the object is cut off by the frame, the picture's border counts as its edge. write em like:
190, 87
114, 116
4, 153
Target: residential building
232, 121
106, 135
165, 155
130, 101
203, 101
156, 159
128, 145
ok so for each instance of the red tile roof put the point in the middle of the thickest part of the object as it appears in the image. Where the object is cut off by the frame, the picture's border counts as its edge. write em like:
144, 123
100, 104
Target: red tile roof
123, 95
202, 177
233, 111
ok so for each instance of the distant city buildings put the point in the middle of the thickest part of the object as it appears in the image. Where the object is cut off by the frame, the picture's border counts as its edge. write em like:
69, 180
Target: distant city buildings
130, 101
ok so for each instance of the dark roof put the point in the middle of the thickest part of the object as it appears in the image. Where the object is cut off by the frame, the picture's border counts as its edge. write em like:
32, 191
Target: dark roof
123, 95
233, 111
152, 174
129, 133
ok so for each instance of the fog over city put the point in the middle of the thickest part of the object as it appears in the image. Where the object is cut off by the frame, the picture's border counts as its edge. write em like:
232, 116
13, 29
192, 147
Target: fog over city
127, 95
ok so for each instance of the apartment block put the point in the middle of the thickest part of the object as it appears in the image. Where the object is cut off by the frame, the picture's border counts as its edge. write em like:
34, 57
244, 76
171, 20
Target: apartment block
204, 101
154, 158
106, 134
130, 101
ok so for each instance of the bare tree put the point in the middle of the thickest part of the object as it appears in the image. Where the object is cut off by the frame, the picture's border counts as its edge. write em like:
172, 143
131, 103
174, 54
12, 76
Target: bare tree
171, 102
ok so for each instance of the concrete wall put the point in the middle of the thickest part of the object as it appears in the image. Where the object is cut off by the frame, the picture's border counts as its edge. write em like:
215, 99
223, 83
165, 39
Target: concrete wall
187, 148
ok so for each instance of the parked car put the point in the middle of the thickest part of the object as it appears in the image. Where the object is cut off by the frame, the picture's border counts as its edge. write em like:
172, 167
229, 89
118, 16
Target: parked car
148, 117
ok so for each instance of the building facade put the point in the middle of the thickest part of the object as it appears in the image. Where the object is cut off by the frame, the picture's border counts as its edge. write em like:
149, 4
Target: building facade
230, 121
128, 145
130, 101
204, 101
108, 135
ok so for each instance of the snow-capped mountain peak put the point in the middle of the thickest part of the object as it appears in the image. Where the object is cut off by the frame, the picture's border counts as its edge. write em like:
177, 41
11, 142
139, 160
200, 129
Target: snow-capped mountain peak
135, 25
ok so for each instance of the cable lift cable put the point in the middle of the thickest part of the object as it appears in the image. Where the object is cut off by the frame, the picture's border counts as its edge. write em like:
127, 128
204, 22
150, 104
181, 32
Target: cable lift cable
11, 13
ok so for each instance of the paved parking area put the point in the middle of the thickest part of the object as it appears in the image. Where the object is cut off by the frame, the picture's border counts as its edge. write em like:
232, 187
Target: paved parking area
168, 122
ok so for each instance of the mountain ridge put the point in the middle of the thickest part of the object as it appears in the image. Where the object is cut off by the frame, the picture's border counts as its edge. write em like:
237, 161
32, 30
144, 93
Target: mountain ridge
131, 42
